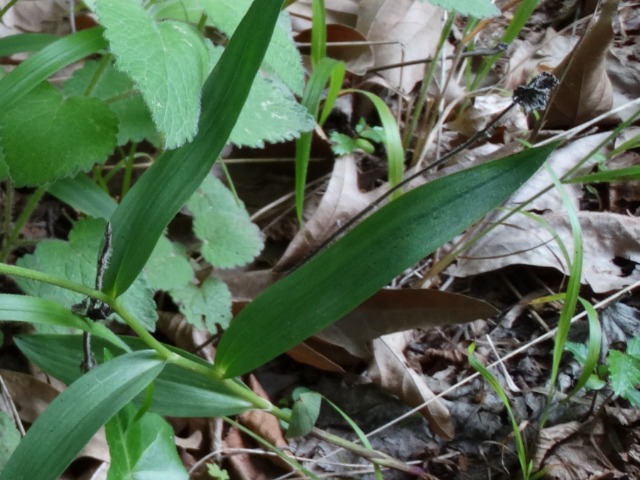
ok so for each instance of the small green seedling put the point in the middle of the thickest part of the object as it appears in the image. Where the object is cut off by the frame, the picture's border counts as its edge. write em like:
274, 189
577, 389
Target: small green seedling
365, 139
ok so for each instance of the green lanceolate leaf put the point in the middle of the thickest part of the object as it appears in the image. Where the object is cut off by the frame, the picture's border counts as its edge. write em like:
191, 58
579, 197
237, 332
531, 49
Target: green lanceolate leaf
142, 447
22, 308
168, 61
341, 277
36, 139
25, 42
76, 415
163, 189
83, 194
46, 62
177, 392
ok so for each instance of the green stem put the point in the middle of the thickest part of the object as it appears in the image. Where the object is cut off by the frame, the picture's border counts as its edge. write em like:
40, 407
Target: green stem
234, 386
8, 209
53, 280
128, 170
31, 205
102, 66
422, 97
7, 7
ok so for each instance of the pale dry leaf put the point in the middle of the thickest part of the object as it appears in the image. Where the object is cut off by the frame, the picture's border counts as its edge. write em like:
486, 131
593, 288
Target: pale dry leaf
395, 310
585, 90
390, 371
38, 16
343, 12
412, 29
184, 335
353, 49
560, 161
342, 200
523, 241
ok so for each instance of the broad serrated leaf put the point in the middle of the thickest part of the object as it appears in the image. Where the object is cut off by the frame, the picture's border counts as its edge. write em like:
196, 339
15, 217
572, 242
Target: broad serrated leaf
46, 137
142, 448
168, 267
76, 414
282, 57
473, 8
229, 239
205, 306
77, 260
624, 372
107, 83
271, 114
168, 61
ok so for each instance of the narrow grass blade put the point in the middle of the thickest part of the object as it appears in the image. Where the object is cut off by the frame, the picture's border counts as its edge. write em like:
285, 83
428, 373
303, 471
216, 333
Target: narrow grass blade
162, 190
70, 421
318, 32
593, 347
326, 70
341, 277
392, 140
573, 285
618, 175
48, 61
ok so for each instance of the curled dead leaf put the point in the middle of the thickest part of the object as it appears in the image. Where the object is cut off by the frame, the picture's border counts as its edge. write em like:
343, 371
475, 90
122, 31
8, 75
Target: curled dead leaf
391, 372
585, 90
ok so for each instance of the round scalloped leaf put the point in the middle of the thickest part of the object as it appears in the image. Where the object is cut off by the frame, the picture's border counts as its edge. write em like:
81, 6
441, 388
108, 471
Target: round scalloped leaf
135, 123
229, 239
76, 260
168, 267
167, 60
282, 57
206, 306
46, 137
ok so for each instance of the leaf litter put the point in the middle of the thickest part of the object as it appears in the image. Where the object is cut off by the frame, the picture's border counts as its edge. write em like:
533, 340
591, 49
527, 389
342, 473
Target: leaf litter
418, 365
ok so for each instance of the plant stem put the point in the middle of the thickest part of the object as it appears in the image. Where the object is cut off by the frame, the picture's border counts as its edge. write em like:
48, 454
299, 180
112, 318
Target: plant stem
31, 205
422, 97
53, 280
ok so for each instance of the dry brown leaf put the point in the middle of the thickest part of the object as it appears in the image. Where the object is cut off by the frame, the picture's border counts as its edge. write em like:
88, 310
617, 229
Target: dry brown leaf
523, 241
579, 451
183, 335
395, 310
357, 57
342, 200
343, 12
585, 90
264, 424
411, 27
390, 371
